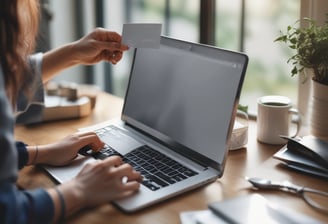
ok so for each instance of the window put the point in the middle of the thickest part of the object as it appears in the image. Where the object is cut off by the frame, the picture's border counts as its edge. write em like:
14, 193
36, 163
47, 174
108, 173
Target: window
247, 25
179, 19
268, 72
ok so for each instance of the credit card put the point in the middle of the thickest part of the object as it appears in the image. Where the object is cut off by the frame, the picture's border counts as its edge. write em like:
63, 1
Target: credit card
142, 35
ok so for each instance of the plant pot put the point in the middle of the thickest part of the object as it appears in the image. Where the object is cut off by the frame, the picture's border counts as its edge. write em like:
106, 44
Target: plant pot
319, 110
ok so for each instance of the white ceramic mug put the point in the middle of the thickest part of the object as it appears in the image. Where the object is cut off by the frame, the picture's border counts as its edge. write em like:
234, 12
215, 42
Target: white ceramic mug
274, 118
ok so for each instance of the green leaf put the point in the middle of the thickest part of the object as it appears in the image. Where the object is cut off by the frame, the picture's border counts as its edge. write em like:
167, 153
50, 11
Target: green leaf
294, 71
243, 108
311, 45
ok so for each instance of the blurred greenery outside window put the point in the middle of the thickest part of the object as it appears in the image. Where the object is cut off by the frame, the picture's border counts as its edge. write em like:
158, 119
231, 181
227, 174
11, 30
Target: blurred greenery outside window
267, 73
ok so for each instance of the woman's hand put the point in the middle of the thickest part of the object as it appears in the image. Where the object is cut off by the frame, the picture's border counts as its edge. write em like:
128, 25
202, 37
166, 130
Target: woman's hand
98, 182
102, 181
64, 151
99, 45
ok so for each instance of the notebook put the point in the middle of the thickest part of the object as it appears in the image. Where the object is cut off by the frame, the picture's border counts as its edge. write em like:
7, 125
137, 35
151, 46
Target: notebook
177, 118
308, 155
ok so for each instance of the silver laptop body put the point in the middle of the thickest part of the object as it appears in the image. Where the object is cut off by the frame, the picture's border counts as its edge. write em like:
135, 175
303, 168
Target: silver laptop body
181, 101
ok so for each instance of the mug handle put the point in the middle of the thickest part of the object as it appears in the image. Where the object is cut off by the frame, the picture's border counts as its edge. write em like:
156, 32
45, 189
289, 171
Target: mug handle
298, 121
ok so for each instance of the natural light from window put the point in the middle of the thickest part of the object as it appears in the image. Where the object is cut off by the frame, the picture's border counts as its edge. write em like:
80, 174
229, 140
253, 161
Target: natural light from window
268, 72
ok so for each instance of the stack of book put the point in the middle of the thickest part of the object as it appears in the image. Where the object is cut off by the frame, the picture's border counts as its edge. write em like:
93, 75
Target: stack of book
308, 155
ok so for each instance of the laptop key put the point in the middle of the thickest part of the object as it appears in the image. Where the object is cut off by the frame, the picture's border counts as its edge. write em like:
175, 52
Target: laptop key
150, 185
158, 181
107, 151
165, 177
179, 177
189, 173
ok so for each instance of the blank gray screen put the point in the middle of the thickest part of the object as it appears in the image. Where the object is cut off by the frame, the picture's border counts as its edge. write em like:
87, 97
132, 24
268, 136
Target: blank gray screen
186, 96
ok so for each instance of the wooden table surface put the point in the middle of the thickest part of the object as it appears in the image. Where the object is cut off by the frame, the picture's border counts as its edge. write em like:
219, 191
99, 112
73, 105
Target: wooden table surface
255, 160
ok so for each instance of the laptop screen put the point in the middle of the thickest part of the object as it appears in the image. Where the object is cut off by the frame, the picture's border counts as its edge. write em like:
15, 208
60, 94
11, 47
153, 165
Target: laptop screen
185, 94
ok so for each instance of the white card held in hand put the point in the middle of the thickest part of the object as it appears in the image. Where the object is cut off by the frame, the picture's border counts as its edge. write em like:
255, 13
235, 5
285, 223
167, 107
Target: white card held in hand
142, 35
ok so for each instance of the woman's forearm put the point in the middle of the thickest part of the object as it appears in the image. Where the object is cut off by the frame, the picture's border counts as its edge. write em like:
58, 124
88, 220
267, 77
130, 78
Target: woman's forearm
57, 60
99, 45
67, 200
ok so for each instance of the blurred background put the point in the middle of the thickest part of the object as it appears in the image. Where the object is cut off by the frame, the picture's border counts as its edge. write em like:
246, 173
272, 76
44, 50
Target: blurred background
249, 26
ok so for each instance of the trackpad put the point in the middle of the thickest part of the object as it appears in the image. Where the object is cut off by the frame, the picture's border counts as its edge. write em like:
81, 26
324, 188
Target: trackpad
120, 141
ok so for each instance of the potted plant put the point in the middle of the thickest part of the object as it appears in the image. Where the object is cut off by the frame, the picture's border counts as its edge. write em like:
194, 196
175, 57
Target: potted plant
311, 59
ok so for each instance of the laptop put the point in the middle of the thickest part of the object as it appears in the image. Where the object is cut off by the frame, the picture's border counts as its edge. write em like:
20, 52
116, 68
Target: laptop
176, 121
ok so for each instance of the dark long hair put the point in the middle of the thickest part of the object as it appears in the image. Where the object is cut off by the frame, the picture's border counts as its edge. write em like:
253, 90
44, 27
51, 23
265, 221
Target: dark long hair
18, 29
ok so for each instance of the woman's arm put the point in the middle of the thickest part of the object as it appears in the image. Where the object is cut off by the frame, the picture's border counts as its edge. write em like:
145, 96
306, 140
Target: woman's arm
17, 206
64, 151
99, 45
97, 183
84, 190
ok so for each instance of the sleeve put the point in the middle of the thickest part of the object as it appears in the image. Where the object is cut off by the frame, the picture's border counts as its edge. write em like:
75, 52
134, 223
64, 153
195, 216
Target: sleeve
29, 109
18, 206
22, 154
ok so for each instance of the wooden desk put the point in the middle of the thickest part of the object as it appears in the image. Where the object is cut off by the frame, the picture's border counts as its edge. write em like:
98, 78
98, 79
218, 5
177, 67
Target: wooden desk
254, 161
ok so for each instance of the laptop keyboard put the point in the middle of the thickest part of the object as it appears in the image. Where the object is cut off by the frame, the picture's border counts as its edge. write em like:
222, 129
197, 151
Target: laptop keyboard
157, 169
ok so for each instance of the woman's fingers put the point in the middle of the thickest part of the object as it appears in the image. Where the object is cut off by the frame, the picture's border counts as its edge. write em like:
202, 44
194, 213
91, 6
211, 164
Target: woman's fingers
113, 161
108, 180
124, 173
91, 139
128, 176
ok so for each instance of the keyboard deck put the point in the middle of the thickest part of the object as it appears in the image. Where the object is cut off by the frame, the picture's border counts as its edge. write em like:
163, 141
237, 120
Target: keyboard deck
157, 169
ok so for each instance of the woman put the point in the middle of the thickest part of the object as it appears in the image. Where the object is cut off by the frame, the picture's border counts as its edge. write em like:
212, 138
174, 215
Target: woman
21, 79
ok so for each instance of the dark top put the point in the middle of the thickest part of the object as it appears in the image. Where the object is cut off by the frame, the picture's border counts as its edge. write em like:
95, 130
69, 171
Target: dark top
20, 206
